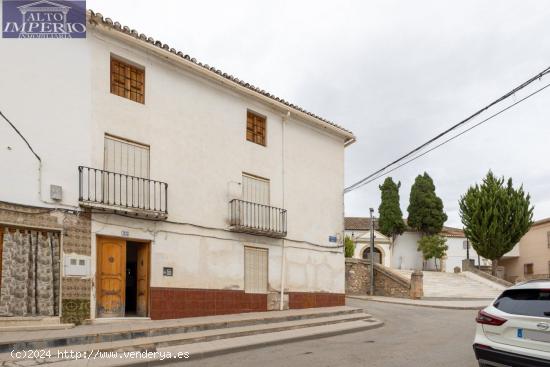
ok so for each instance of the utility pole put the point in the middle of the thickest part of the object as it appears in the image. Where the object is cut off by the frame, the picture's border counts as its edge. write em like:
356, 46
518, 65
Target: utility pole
371, 252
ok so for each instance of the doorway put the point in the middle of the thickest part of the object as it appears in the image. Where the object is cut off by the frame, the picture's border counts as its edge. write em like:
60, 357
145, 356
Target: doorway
377, 255
122, 277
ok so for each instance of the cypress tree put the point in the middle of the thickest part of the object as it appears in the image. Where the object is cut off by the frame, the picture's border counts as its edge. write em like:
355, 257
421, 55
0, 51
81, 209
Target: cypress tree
391, 222
495, 216
425, 209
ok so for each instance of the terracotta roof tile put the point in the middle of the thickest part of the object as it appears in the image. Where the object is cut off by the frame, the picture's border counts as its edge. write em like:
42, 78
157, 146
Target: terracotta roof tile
98, 18
359, 223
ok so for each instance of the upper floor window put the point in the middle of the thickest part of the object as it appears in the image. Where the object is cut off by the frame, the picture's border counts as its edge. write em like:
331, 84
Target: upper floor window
126, 157
528, 269
255, 189
127, 80
255, 128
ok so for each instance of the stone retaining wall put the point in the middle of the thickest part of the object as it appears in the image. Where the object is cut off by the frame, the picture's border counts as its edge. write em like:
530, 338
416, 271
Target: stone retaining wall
386, 282
468, 265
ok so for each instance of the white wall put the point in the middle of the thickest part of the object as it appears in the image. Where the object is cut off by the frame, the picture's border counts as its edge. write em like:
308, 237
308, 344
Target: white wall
196, 132
404, 254
45, 92
456, 253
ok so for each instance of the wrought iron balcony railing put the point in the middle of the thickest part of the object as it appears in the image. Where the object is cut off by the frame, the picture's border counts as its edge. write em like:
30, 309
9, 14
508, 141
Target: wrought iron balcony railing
245, 216
119, 192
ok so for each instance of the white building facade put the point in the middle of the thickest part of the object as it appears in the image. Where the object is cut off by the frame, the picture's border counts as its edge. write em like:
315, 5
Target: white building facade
175, 190
403, 253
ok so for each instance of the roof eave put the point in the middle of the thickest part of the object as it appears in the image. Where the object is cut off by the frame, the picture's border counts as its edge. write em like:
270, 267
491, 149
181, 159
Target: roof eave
349, 137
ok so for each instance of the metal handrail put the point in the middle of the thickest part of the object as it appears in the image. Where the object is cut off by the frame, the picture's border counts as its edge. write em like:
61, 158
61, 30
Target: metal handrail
253, 217
117, 189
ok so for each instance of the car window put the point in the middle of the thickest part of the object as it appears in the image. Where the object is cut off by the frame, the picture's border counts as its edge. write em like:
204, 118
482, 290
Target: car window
528, 302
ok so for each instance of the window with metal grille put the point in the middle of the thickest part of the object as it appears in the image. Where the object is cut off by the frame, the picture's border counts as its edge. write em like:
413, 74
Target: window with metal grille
528, 269
255, 270
127, 81
255, 128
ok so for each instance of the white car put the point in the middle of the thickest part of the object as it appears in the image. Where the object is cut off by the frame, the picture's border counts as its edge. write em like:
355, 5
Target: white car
515, 329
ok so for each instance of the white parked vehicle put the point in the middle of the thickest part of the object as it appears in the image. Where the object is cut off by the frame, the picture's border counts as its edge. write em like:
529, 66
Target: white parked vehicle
515, 329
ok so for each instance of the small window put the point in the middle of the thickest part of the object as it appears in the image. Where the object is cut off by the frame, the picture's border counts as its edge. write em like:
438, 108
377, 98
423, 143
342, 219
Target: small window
255, 270
127, 81
548, 238
255, 128
528, 269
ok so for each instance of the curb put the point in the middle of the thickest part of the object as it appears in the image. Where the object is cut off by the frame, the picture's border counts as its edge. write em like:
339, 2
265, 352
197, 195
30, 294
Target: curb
443, 307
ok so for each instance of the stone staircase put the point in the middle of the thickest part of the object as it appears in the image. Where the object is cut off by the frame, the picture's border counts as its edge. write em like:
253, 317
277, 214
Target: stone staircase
191, 334
441, 285
8, 324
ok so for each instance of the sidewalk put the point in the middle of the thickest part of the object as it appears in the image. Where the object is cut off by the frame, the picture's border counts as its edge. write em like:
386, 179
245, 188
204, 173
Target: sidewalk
149, 342
445, 304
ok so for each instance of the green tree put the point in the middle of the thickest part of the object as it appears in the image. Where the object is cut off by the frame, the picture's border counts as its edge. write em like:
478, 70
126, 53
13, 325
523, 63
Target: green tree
425, 209
433, 246
495, 216
349, 247
391, 222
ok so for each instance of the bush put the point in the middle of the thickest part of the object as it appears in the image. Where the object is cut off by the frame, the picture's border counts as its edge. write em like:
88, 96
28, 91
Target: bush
349, 247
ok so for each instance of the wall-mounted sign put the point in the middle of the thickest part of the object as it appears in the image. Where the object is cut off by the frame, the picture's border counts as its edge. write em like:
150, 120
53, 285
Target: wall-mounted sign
44, 19
332, 239
125, 233
167, 272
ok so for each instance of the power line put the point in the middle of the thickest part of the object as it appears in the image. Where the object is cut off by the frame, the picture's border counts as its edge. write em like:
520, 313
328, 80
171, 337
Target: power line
364, 180
21, 135
456, 136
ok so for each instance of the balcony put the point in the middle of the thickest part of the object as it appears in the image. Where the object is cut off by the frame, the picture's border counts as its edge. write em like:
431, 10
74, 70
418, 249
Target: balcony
254, 218
122, 194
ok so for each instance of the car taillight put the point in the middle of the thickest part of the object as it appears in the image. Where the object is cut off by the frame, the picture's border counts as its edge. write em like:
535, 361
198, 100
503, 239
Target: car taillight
488, 319
482, 346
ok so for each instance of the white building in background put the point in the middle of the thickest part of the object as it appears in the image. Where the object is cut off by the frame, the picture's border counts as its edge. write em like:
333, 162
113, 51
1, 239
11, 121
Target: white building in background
194, 193
403, 254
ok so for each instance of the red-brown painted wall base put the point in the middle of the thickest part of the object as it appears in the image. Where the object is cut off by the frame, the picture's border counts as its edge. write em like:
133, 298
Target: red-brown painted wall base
309, 300
174, 303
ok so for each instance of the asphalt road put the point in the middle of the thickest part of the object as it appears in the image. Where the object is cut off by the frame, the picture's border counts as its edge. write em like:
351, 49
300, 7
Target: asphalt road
411, 337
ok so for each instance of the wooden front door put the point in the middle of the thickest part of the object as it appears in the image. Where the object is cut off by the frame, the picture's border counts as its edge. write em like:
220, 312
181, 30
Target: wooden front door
142, 279
111, 276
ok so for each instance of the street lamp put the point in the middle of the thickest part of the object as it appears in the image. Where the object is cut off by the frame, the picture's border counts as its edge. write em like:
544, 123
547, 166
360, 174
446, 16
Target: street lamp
371, 252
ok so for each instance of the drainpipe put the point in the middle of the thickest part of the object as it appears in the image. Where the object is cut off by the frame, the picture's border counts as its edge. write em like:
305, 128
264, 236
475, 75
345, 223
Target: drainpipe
283, 262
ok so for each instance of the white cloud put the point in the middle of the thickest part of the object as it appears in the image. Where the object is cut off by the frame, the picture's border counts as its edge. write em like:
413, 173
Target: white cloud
394, 72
